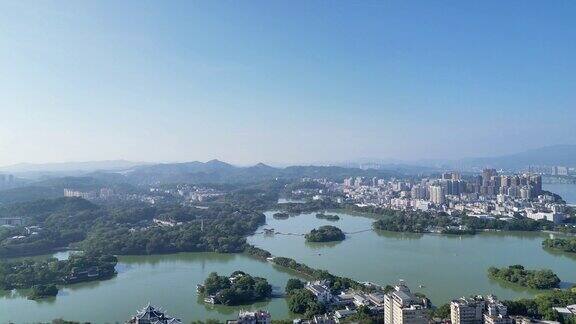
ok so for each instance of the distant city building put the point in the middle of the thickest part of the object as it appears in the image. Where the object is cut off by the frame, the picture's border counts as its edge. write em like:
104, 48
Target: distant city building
555, 217
559, 171
437, 194
401, 306
11, 221
79, 194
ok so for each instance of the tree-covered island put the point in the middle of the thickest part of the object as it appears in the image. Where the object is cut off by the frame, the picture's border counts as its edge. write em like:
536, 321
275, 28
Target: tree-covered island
561, 244
517, 274
43, 291
326, 233
237, 289
328, 217
281, 215
439, 222
41, 275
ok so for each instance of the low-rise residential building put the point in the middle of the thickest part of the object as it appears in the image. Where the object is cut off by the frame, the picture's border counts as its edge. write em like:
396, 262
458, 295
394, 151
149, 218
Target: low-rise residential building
567, 312
321, 290
496, 312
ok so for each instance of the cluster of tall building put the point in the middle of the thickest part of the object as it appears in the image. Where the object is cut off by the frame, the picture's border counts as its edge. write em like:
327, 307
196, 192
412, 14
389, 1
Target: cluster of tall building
559, 171
489, 184
524, 186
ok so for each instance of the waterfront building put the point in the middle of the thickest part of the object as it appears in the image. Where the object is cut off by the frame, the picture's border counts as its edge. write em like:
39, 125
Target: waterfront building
321, 291
401, 306
256, 317
556, 218
323, 319
152, 315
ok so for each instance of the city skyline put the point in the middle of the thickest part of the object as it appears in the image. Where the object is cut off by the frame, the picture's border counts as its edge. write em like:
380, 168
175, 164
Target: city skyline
278, 83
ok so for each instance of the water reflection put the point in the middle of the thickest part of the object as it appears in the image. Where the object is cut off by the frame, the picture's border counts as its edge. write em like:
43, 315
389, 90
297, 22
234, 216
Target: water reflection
322, 245
399, 235
135, 260
559, 253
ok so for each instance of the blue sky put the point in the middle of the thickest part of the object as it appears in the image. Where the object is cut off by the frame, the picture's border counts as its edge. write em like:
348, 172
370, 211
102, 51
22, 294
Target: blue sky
284, 81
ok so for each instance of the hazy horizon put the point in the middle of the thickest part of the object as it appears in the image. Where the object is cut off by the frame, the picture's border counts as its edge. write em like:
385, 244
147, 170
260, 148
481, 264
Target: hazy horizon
283, 83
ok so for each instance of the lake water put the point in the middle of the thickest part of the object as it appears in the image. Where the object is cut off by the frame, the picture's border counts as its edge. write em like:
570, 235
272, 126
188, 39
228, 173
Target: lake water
446, 266
167, 280
566, 191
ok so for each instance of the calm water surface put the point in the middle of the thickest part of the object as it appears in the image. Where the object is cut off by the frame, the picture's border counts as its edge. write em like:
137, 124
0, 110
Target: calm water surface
446, 266
166, 280
566, 191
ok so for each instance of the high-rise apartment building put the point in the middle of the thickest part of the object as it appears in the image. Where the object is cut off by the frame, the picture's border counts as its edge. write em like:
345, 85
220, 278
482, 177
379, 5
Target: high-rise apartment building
401, 306
437, 194
467, 310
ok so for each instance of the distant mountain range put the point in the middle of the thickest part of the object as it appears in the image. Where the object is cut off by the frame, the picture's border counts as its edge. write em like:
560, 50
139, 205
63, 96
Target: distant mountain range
52, 178
39, 170
70, 166
557, 155
216, 171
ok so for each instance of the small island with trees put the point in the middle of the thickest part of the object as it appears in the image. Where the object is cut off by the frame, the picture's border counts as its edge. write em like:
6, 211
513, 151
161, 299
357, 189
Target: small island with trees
561, 244
43, 291
237, 289
281, 215
328, 217
42, 276
535, 279
325, 233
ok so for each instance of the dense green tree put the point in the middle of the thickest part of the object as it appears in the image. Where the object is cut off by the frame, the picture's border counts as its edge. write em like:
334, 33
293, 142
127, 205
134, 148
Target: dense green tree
42, 291
561, 244
300, 300
326, 233
537, 279
239, 288
443, 311
293, 284
27, 273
